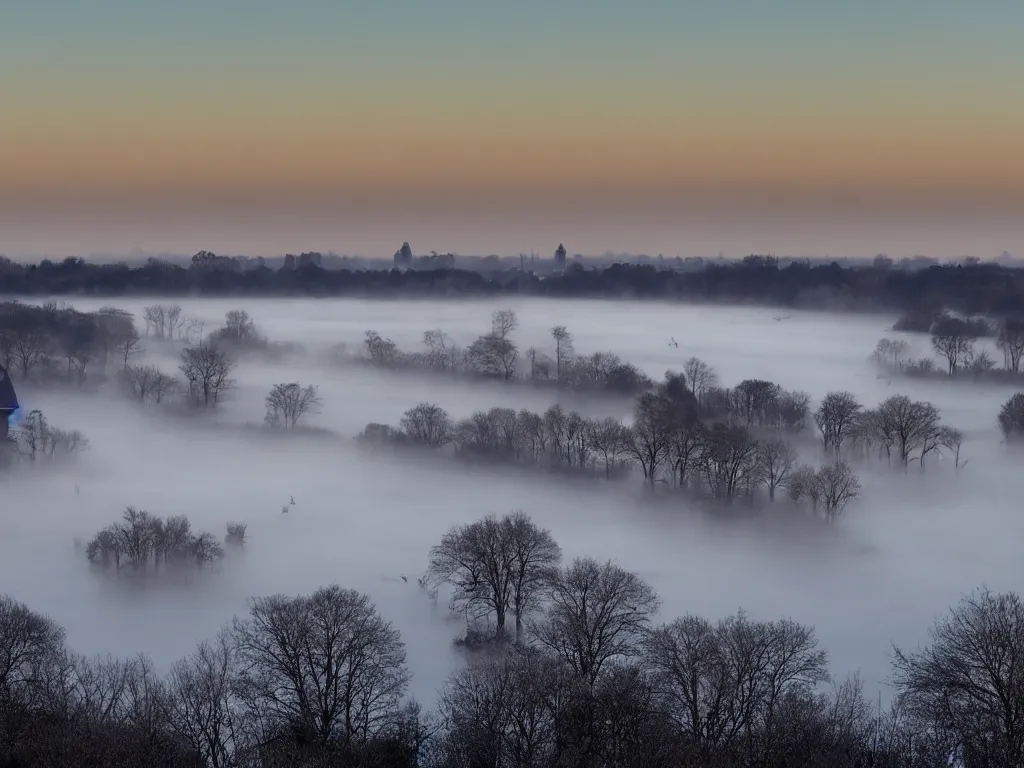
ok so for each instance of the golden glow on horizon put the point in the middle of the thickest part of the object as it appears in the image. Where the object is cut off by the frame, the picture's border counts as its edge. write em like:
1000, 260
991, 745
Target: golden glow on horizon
217, 157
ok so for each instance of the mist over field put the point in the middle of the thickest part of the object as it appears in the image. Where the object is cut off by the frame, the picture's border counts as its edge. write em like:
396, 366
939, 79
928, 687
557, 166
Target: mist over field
900, 556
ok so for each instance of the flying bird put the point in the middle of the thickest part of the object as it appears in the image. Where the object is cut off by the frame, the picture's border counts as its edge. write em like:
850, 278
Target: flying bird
405, 580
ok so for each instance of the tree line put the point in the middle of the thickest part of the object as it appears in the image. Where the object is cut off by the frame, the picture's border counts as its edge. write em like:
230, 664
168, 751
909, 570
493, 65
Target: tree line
955, 341
35, 439
711, 442
54, 344
590, 678
974, 289
495, 355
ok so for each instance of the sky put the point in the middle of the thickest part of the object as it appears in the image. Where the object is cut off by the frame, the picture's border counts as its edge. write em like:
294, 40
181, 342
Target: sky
800, 127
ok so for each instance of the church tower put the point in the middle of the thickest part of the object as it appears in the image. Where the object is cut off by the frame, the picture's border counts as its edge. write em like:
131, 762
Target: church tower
8, 401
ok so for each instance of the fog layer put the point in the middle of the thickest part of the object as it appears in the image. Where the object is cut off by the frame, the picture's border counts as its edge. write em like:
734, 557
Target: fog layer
902, 554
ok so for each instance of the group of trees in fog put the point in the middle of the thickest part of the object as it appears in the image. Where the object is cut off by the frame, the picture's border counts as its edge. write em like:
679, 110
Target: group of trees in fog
975, 288
142, 543
35, 439
719, 443
495, 355
959, 344
589, 678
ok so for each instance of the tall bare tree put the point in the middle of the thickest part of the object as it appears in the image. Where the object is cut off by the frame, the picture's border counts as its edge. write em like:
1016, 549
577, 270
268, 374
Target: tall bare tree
287, 403
836, 418
955, 347
912, 424
776, 459
563, 349
326, 663
838, 486
608, 438
1011, 343
207, 370
29, 643
726, 686
129, 344
494, 356
495, 566
503, 322
201, 704
969, 683
651, 434
428, 424
700, 377
596, 613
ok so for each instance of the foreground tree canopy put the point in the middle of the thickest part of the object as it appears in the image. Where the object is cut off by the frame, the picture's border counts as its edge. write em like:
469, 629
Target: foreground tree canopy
321, 681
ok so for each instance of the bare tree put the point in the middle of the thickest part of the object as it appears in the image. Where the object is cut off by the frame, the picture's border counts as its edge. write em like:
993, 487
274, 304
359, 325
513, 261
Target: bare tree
534, 556
504, 710
175, 322
129, 344
912, 424
287, 403
563, 349
776, 459
803, 484
969, 683
382, 351
700, 376
163, 385
428, 424
156, 320
596, 613
952, 440
239, 327
204, 549
192, 329
140, 380
727, 685
136, 537
503, 322
838, 487
494, 356
200, 704
29, 345
29, 643
891, 354
495, 566
955, 347
1011, 343
442, 351
326, 663
729, 461
609, 439
836, 418
651, 434
207, 371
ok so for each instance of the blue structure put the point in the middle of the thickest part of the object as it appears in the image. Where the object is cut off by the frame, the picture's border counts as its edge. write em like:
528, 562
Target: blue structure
8, 401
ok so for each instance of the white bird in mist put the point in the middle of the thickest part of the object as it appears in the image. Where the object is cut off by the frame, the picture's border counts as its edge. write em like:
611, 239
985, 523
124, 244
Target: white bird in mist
405, 579
673, 342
